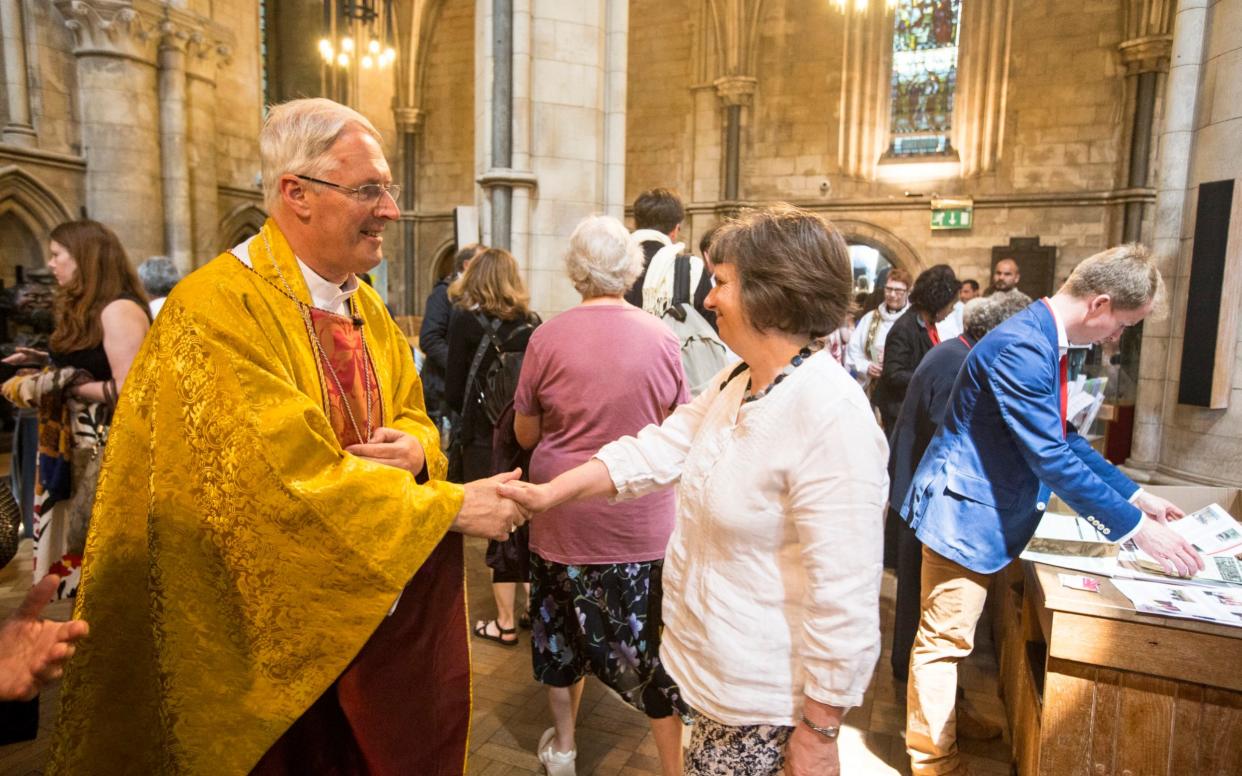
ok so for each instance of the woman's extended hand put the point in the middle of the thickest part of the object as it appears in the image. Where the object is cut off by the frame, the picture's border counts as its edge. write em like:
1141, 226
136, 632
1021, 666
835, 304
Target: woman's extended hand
532, 498
23, 356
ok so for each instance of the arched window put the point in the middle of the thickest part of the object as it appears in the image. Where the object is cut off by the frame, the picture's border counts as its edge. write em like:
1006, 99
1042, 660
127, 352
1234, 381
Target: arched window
924, 79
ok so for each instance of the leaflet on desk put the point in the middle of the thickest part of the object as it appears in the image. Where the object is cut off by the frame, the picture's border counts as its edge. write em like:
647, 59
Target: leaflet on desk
1169, 600
1069, 541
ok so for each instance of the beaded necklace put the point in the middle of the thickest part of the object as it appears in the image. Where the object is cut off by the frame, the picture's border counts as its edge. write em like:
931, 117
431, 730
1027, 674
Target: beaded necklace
802, 355
324, 364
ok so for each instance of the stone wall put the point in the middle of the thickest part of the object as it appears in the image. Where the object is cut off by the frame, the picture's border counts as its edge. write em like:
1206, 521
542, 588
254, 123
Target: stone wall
1176, 442
445, 166
1063, 130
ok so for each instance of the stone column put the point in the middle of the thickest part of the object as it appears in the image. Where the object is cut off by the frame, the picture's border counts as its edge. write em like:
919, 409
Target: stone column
174, 156
409, 127
19, 130
735, 93
866, 59
1145, 53
116, 50
204, 53
1176, 143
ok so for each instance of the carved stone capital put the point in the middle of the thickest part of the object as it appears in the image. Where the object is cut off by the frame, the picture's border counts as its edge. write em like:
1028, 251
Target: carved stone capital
139, 29
735, 89
410, 119
110, 28
1147, 54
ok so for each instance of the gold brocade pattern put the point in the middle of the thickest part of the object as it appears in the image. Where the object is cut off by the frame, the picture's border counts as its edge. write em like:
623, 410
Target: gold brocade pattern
238, 559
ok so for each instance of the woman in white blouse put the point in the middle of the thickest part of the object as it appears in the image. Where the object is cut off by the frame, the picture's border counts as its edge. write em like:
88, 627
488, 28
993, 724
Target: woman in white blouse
772, 575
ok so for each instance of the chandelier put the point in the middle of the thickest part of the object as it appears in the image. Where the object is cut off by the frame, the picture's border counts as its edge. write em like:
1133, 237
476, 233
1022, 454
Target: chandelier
359, 31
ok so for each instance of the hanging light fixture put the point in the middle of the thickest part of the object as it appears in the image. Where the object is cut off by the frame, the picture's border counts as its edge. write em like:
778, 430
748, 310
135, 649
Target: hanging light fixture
360, 31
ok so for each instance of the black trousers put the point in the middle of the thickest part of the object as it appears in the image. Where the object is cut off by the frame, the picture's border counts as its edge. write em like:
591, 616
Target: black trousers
906, 609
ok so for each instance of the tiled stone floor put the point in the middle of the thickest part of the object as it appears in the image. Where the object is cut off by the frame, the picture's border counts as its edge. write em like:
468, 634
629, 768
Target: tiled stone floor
510, 711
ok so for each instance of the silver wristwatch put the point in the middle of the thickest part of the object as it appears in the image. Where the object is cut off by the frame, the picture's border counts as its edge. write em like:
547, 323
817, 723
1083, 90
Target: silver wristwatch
831, 732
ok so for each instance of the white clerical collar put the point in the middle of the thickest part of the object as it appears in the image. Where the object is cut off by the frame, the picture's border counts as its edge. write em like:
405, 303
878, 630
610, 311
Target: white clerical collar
325, 294
1062, 337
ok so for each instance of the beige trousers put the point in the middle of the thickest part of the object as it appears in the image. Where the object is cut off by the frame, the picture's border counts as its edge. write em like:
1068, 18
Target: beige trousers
951, 603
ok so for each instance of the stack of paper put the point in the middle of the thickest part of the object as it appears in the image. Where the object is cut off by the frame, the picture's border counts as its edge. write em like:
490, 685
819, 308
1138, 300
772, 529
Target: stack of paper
1199, 603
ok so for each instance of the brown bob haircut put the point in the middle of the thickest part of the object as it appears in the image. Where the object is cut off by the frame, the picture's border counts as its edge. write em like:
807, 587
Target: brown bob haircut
793, 266
104, 275
492, 283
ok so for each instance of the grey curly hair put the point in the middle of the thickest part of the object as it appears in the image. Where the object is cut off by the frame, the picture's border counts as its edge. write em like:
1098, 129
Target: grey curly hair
602, 260
983, 314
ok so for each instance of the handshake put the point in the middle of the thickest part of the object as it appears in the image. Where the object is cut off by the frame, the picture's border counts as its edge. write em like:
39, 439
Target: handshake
497, 506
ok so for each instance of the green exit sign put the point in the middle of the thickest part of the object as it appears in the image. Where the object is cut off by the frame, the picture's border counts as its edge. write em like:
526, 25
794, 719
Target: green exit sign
951, 218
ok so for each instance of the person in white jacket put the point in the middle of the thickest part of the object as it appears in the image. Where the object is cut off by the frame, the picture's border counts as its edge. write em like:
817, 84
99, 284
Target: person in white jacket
771, 577
865, 355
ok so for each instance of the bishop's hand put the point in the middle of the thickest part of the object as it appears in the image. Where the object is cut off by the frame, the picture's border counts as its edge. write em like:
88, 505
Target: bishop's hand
484, 512
392, 448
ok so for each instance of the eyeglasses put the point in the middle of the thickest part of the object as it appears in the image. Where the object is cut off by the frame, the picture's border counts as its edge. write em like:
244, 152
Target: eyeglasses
897, 291
369, 193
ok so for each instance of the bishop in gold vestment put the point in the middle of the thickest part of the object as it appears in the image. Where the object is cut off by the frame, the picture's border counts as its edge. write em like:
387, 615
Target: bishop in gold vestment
238, 560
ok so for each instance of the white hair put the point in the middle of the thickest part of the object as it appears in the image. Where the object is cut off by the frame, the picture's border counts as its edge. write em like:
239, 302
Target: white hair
602, 259
297, 136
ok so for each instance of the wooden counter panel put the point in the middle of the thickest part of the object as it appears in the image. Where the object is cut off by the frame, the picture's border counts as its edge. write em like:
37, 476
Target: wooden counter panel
1200, 658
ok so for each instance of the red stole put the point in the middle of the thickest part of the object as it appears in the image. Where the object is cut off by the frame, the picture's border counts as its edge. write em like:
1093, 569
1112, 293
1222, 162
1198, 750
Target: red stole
344, 353
403, 705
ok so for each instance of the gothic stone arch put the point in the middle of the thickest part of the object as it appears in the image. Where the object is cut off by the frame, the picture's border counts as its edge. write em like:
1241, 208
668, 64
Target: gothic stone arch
242, 222
28, 213
897, 250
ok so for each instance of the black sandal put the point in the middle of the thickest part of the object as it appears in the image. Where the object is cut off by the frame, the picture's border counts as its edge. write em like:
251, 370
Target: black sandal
524, 622
480, 630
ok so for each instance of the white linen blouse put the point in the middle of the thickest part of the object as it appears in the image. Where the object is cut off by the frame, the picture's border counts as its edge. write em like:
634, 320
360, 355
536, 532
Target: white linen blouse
772, 575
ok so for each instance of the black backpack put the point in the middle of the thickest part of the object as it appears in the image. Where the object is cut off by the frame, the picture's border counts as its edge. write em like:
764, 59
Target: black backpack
497, 385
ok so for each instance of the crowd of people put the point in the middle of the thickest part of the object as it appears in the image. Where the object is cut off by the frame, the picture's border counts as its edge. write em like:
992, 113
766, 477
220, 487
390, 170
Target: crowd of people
273, 569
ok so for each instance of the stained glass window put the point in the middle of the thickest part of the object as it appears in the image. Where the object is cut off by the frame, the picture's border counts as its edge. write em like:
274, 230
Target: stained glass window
925, 34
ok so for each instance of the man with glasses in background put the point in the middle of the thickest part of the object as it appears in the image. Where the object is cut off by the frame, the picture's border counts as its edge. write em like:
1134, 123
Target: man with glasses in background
865, 354
274, 572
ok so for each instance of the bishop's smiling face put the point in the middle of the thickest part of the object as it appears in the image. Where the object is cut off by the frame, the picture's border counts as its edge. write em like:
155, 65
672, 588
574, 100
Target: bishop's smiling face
348, 230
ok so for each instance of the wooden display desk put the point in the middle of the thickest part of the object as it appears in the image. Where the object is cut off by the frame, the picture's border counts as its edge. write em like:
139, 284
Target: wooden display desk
1094, 688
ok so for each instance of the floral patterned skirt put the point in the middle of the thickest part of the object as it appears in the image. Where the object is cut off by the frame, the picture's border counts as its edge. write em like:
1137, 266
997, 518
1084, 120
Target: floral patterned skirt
603, 620
717, 749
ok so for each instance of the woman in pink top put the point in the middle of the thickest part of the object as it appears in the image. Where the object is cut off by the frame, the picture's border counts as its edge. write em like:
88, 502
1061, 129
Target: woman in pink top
598, 371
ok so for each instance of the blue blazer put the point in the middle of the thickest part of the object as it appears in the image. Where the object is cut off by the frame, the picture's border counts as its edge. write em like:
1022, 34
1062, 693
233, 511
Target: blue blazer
983, 483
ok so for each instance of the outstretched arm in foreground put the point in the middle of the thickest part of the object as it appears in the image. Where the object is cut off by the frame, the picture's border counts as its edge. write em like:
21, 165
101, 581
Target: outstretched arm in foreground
589, 480
33, 651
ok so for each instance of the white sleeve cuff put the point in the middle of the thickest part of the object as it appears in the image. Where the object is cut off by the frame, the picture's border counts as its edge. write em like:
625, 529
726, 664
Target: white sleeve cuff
1136, 495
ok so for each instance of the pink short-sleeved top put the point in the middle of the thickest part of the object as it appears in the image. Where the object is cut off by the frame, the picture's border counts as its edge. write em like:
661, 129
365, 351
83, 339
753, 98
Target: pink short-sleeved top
596, 373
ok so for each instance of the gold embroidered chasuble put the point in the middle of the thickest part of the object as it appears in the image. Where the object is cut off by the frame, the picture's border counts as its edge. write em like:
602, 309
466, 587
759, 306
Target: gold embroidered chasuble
238, 559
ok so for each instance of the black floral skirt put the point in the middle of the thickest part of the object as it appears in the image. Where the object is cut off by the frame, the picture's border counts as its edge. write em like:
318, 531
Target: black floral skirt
603, 620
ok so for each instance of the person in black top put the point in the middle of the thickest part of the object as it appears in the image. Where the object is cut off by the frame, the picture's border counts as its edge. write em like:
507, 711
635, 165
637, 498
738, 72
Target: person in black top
658, 216
433, 336
913, 334
489, 290
101, 318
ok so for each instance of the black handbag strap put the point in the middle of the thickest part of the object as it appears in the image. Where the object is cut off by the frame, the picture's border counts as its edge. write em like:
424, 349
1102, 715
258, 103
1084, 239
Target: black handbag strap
489, 337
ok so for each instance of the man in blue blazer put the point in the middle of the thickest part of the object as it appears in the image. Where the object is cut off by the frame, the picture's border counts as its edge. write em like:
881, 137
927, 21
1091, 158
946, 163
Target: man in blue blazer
983, 484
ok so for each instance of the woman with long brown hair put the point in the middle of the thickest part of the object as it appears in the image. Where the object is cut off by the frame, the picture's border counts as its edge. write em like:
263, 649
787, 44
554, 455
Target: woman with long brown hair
101, 320
491, 316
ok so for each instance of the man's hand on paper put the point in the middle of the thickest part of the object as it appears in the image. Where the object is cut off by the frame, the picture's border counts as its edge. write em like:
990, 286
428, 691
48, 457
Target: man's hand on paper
1157, 508
1171, 551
